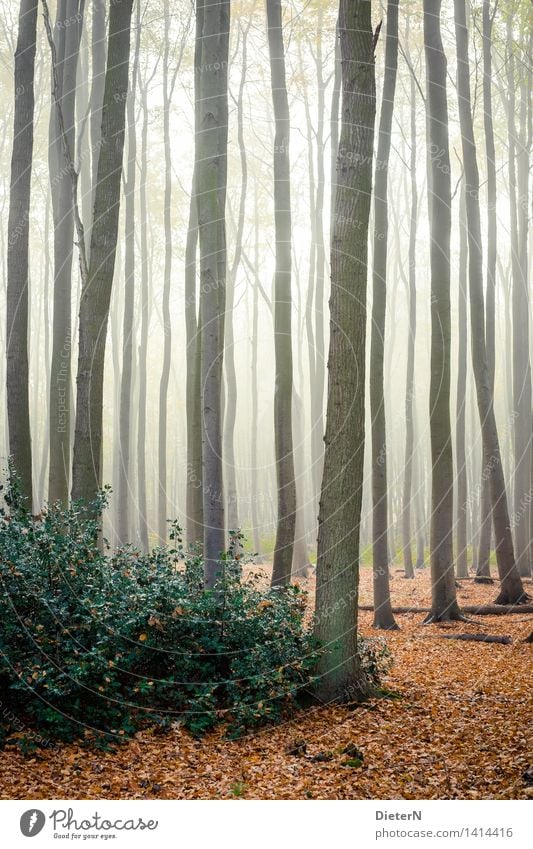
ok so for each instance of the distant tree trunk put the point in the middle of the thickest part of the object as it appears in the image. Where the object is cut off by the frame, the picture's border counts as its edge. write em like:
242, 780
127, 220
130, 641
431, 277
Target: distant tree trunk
67, 36
167, 272
521, 318
511, 586
460, 425
524, 220
444, 604
383, 616
483, 564
96, 293
231, 375
341, 677
124, 464
281, 572
17, 371
254, 364
411, 339
211, 177
145, 322
318, 384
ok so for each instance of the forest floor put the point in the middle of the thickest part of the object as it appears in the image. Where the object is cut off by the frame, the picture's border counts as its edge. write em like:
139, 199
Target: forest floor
457, 725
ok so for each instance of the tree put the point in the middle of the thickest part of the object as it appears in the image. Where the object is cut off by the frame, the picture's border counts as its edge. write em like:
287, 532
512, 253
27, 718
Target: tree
483, 564
97, 279
339, 671
411, 339
460, 417
383, 616
230, 412
211, 182
17, 371
512, 591
444, 603
67, 36
126, 376
194, 497
286, 486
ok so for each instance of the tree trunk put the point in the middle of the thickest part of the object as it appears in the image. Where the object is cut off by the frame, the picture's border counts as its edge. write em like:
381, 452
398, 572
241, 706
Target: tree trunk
520, 313
411, 340
281, 572
511, 586
340, 674
231, 375
96, 293
145, 323
383, 617
67, 38
444, 604
211, 174
461, 568
125, 487
167, 272
17, 297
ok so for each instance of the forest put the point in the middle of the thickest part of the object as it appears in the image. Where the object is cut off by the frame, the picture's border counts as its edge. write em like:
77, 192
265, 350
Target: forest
266, 521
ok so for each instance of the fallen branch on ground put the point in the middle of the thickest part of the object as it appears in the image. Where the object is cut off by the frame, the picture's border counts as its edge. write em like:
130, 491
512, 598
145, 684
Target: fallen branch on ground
482, 610
476, 638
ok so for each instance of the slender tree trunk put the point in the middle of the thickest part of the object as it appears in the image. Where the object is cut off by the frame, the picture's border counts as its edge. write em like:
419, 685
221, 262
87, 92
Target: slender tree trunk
231, 375
520, 313
145, 323
17, 372
511, 586
67, 36
125, 482
460, 419
281, 572
340, 676
383, 616
411, 340
211, 175
96, 293
254, 365
318, 384
167, 272
444, 604
194, 497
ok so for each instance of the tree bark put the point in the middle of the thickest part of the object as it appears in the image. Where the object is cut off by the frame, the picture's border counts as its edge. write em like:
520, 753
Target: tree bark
145, 323
461, 568
17, 297
283, 550
340, 676
211, 173
444, 603
125, 487
67, 36
383, 617
96, 292
411, 340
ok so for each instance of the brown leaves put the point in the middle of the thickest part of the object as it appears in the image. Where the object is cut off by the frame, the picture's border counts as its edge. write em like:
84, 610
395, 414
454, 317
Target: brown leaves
461, 729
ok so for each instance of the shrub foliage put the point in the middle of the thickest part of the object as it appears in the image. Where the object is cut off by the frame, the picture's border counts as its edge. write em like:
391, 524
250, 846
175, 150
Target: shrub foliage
96, 645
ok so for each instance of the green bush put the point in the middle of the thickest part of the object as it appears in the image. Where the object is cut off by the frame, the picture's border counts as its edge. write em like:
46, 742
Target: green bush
99, 645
